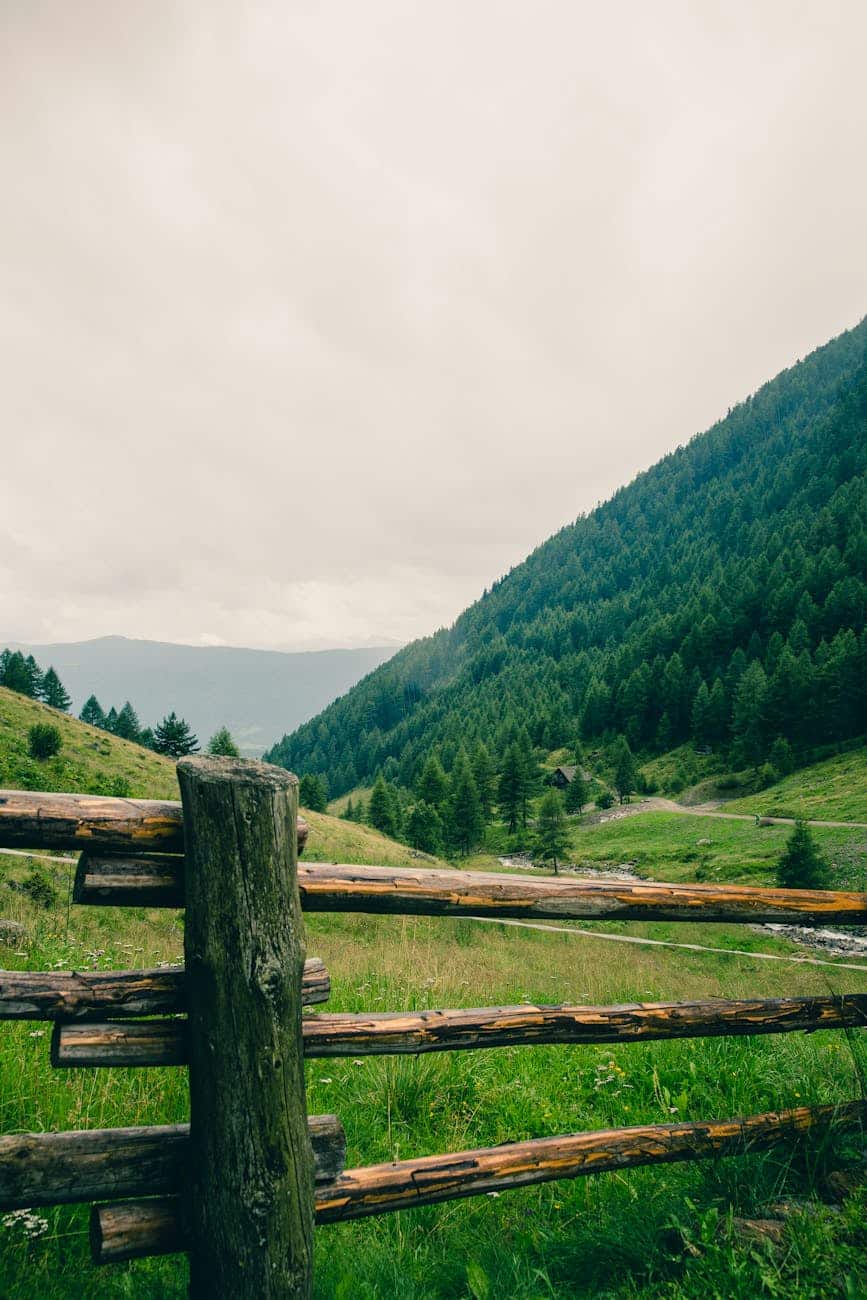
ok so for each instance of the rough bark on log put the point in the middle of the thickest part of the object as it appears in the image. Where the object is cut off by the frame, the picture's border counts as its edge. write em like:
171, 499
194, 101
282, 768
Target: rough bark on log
250, 1203
118, 881
163, 1042
82, 995
331, 887
154, 1227
89, 1164
432, 892
36, 820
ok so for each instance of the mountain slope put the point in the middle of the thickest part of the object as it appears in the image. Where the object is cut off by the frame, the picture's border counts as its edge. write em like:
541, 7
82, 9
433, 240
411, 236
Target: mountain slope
90, 761
732, 571
252, 692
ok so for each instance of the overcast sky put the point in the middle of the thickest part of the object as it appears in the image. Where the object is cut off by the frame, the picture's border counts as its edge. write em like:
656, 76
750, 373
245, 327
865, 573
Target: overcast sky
316, 318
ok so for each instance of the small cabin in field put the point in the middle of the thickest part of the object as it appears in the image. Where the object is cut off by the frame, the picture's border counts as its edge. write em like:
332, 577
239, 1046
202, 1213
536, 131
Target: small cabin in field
563, 776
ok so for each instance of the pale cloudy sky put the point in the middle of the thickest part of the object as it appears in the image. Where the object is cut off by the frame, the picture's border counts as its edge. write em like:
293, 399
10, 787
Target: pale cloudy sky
317, 317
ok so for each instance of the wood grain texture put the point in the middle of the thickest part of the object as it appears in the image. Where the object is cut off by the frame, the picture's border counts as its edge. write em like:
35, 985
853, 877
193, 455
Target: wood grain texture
83, 995
331, 887
164, 1042
156, 1227
93, 1164
431, 892
37, 820
381, 1188
250, 1202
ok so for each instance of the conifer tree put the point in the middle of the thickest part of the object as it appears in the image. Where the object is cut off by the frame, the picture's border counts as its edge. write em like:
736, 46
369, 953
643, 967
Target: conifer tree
174, 737
222, 743
485, 778
313, 792
380, 812
551, 841
802, 866
424, 828
625, 771
433, 784
576, 793
465, 820
513, 787
127, 724
92, 712
53, 693
111, 719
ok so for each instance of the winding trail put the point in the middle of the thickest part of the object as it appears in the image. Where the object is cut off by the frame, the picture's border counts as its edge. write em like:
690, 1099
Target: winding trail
654, 803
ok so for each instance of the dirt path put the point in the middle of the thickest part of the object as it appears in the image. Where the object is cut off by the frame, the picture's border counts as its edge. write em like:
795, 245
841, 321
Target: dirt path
654, 803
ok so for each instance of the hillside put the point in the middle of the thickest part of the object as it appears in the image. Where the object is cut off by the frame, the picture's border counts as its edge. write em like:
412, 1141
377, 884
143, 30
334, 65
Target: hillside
252, 692
90, 761
720, 597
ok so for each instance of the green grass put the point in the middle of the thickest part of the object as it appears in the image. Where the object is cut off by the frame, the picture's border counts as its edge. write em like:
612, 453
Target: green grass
661, 1232
90, 761
834, 790
678, 846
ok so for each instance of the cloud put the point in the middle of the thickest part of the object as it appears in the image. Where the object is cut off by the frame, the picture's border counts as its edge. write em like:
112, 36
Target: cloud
316, 318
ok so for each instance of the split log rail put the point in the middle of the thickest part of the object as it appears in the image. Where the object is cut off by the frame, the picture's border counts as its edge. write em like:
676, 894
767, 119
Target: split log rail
240, 1187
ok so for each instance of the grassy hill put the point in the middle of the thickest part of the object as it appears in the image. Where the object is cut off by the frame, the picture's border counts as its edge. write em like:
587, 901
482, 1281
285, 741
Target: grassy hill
90, 761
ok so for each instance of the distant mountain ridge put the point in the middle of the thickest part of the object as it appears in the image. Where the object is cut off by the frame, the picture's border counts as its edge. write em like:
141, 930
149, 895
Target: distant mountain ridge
255, 693
720, 596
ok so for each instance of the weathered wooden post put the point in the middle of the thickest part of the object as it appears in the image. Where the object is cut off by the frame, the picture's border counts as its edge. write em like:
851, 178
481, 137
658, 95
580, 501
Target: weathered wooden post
251, 1165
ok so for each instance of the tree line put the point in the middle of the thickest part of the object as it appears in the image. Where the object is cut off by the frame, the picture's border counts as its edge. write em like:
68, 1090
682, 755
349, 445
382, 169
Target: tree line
173, 736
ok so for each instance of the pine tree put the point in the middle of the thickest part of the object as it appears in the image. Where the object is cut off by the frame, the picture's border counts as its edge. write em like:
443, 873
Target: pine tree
52, 691
485, 778
127, 725
802, 866
92, 713
174, 737
424, 828
464, 814
512, 787
625, 772
380, 812
576, 793
748, 715
433, 784
34, 677
222, 743
312, 792
552, 833
17, 675
111, 719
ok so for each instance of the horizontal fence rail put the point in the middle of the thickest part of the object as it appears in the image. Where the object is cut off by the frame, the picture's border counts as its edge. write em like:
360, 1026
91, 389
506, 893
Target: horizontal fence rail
164, 1042
329, 887
87, 1165
37, 820
333, 888
56, 995
127, 1231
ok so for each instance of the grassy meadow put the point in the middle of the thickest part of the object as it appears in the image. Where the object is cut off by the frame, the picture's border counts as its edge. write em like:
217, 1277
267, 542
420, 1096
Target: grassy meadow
672, 1231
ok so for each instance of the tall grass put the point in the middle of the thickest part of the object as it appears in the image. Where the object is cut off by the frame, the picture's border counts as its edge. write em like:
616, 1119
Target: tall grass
646, 1232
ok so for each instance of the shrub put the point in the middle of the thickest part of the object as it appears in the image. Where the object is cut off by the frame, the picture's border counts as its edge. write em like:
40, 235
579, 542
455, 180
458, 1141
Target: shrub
605, 800
43, 740
39, 888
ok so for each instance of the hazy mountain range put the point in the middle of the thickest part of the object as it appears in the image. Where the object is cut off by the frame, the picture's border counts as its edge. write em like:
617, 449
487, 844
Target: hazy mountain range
257, 694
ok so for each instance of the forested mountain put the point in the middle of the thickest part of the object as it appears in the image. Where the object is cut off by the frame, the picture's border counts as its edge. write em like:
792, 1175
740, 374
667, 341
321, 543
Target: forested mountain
721, 597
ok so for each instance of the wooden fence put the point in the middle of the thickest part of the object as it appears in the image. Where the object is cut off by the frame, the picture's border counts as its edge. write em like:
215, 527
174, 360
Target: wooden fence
240, 1187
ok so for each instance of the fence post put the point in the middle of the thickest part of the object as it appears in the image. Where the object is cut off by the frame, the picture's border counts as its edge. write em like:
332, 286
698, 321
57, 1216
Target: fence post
251, 1166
